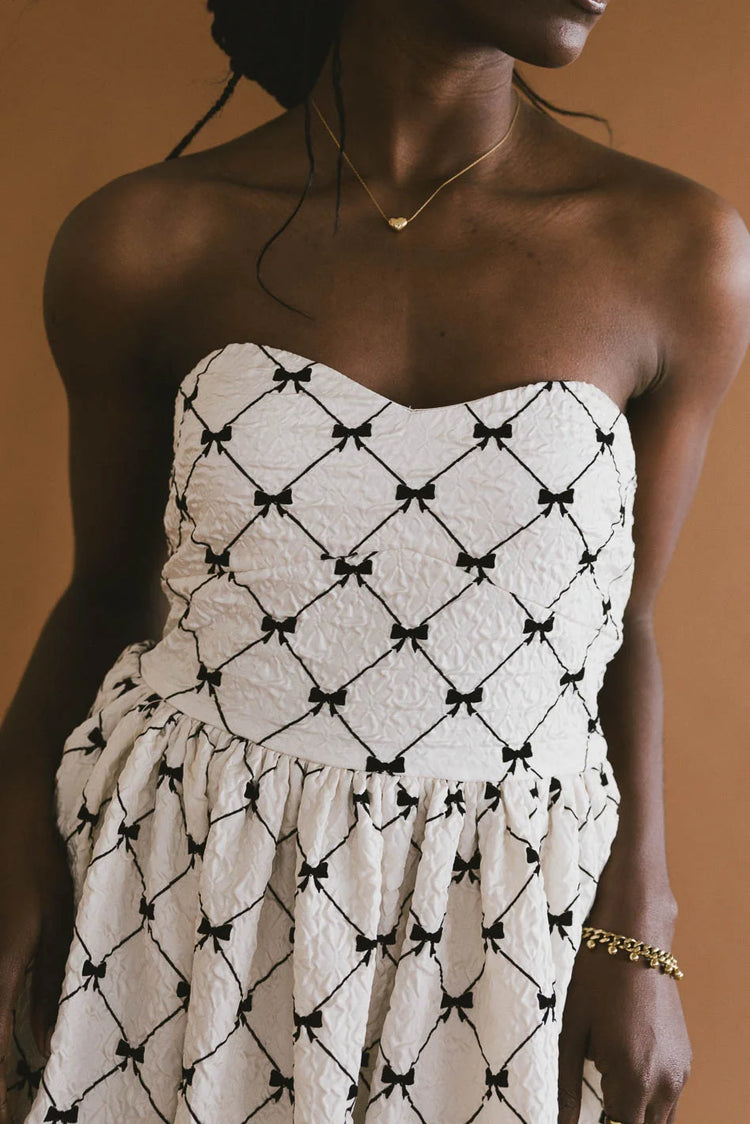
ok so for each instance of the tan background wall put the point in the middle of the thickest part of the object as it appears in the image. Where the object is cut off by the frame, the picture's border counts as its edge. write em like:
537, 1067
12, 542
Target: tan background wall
89, 91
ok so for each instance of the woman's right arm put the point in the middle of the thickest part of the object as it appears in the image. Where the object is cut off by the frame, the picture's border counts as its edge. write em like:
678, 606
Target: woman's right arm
104, 291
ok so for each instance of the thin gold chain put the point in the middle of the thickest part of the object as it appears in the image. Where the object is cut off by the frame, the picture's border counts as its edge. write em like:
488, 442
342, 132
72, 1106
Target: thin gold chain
400, 223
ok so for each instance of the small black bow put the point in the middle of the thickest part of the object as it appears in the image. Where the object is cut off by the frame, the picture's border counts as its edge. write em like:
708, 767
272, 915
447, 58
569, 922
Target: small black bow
129, 1053
552, 498
93, 972
252, 792
356, 433
188, 1072
469, 562
96, 741
467, 867
398, 632
270, 625
495, 1082
204, 676
493, 933
284, 378
128, 830
280, 1083
29, 1077
457, 1003
487, 433
453, 800
267, 500
183, 992
547, 1004
194, 847
124, 685
555, 788
307, 1022
307, 871
532, 857
366, 945
407, 494
605, 438
423, 937
208, 437
559, 921
406, 801
65, 1116
572, 676
513, 755
458, 699
392, 1079
375, 765
587, 560
172, 772
217, 562
538, 628
85, 816
492, 793
216, 932
321, 698
352, 569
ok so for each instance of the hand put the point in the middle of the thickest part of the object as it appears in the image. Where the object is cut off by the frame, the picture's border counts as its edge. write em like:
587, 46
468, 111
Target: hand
628, 1018
36, 919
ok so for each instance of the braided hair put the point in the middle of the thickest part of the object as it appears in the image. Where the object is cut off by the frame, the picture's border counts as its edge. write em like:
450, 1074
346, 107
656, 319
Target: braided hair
282, 45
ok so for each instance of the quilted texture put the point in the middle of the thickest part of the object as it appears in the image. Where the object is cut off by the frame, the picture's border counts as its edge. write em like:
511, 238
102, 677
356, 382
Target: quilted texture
334, 834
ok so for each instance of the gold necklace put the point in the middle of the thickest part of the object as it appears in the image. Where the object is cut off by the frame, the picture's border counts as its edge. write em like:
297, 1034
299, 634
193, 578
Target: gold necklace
400, 223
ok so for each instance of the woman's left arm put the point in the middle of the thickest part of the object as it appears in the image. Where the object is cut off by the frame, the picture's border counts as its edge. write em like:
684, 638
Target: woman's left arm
624, 1015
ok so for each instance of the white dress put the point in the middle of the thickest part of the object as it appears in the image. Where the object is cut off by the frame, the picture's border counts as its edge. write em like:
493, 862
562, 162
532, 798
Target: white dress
334, 834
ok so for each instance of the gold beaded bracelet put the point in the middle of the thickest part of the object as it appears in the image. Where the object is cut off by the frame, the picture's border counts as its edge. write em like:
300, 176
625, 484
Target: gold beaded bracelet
654, 957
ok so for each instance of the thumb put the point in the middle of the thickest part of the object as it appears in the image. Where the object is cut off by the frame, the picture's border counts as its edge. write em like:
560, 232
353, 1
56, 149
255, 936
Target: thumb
573, 1040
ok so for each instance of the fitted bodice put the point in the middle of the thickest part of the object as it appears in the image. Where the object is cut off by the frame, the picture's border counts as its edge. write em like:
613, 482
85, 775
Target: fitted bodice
435, 591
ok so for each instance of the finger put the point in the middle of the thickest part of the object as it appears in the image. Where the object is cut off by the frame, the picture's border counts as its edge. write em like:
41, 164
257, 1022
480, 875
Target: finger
570, 1081
49, 971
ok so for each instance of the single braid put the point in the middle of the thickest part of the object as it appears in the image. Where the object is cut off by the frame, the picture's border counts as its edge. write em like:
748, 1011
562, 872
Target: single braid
282, 45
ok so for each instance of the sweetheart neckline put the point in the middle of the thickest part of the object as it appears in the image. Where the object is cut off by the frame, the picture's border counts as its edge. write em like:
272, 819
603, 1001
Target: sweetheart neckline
368, 391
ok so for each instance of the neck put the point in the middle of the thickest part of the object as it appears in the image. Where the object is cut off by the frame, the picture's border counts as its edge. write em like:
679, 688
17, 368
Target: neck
421, 98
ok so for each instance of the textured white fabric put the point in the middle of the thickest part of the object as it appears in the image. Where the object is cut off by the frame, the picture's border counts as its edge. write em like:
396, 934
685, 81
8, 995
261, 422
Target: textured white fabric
335, 833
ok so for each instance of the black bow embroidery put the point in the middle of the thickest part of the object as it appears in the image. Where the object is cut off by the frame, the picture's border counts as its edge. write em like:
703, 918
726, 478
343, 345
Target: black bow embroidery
493, 933
172, 772
85, 816
217, 562
181, 503
555, 788
356, 433
208, 437
128, 831
606, 606
495, 1082
487, 433
362, 798
267, 500
514, 755
418, 632
204, 676
538, 628
392, 1079
217, 933
149, 704
331, 698
195, 848
453, 800
183, 992
246, 1005
284, 378
559, 921
280, 1083
547, 1004
366, 945
552, 498
457, 1003
467, 867
469, 562
30, 1078
125, 685
307, 1022
65, 1116
252, 792
269, 625
93, 972
587, 560
407, 494
96, 741
459, 699
375, 765
188, 1072
572, 676
352, 569
492, 793
307, 871
406, 801
423, 937
129, 1053
604, 438
532, 857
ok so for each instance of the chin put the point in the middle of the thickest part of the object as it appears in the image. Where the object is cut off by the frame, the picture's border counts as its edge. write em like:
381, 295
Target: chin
546, 33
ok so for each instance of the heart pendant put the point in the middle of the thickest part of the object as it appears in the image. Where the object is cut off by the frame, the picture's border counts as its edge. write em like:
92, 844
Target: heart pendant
397, 224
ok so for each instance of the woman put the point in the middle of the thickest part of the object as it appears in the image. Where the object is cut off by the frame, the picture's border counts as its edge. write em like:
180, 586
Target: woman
332, 838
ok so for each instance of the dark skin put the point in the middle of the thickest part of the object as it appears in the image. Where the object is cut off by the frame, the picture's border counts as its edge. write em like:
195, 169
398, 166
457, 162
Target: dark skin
554, 258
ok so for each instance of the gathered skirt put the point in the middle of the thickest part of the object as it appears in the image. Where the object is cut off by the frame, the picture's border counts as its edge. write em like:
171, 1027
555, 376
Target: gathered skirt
263, 938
